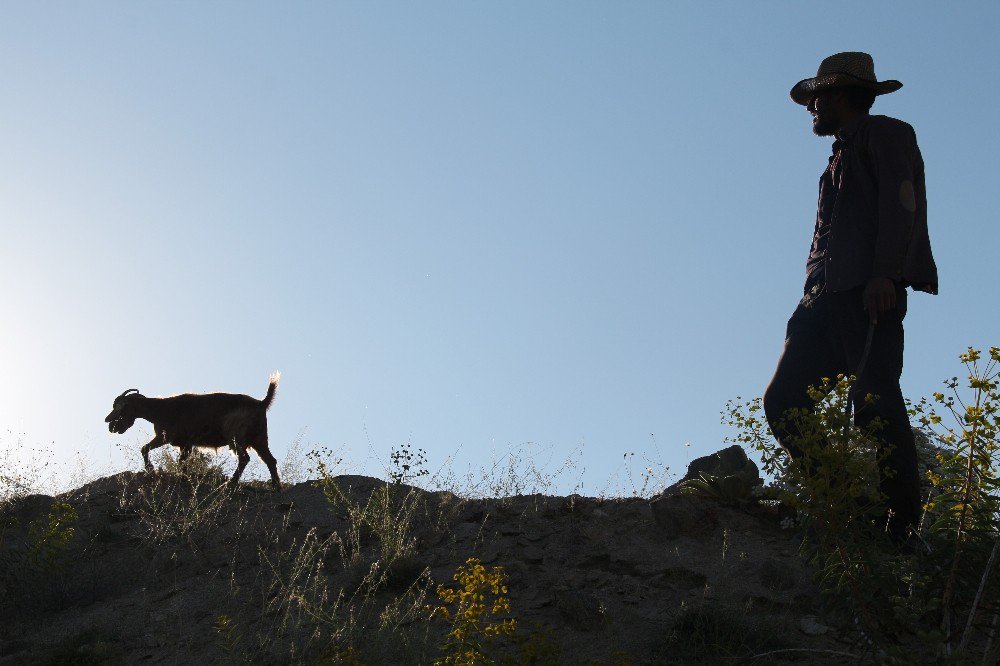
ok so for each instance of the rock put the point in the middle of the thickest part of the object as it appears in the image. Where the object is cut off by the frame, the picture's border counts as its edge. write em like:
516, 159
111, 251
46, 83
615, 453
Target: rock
489, 552
678, 577
467, 531
532, 554
532, 536
762, 604
776, 576
681, 515
573, 503
731, 461
112, 535
582, 610
443, 573
516, 568
536, 601
810, 626
13, 647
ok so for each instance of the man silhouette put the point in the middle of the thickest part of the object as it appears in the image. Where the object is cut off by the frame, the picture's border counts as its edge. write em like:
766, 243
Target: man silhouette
870, 243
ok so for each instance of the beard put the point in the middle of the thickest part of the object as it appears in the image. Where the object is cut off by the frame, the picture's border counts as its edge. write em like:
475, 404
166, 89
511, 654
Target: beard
120, 425
824, 125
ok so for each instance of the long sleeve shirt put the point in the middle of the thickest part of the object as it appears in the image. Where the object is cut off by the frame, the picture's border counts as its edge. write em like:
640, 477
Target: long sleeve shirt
872, 213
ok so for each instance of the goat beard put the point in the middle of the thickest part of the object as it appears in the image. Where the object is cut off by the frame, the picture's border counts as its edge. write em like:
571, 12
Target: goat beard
120, 425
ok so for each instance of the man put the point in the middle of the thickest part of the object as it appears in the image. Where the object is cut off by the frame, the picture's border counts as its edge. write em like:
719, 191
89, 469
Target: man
870, 243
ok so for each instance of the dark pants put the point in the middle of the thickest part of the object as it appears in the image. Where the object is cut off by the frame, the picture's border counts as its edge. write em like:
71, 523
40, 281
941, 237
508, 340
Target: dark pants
826, 337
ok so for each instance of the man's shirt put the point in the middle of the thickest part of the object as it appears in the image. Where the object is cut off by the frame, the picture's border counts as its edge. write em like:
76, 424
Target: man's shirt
829, 184
871, 216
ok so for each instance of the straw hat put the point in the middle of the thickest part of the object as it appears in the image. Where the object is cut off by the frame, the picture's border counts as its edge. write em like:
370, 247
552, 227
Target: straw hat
852, 68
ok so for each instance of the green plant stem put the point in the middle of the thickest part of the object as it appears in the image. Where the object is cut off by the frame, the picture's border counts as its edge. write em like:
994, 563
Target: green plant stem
966, 498
979, 595
855, 589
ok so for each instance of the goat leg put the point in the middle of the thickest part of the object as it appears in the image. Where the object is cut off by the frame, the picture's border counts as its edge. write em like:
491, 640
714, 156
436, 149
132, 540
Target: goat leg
272, 465
243, 458
154, 443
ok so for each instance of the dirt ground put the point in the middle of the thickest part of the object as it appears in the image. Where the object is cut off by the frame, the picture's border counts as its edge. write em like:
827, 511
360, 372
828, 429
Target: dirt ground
159, 571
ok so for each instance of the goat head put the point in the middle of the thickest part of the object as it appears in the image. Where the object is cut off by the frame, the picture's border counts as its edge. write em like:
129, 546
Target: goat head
122, 415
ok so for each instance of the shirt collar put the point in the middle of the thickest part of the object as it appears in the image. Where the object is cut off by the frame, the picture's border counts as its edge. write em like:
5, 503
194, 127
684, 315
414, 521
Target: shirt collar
847, 132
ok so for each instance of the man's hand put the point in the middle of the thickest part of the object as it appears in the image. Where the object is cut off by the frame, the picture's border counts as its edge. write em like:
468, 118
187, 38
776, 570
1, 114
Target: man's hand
879, 297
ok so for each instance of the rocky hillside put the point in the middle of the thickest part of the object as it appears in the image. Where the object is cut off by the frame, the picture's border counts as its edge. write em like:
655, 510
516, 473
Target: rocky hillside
136, 568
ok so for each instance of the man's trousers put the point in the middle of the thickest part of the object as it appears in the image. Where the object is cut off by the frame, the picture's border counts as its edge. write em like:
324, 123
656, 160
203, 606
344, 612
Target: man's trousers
825, 337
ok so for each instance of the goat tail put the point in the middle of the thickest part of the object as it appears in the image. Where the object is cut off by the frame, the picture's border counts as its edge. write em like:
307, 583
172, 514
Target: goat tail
272, 388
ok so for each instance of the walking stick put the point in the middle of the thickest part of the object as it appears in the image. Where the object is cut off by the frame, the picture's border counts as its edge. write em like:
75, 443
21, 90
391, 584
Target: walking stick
857, 377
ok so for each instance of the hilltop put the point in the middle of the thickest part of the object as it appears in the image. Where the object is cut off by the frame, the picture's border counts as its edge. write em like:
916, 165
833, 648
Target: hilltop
137, 568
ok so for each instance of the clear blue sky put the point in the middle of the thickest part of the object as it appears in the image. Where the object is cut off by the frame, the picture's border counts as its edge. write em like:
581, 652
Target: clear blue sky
466, 225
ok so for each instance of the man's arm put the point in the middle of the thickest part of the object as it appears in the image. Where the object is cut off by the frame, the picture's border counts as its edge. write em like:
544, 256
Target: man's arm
892, 146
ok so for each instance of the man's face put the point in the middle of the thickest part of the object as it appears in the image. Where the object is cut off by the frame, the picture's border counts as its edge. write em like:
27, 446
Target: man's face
825, 113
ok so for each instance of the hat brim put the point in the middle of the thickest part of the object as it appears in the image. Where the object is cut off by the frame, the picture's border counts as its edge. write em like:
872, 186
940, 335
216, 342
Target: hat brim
803, 91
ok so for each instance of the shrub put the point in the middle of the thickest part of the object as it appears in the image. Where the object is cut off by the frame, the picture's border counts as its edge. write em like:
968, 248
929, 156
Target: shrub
183, 503
918, 601
386, 519
48, 539
350, 595
965, 510
478, 612
34, 571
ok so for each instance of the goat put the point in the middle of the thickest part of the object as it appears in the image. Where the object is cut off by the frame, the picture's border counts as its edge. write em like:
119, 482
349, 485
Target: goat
211, 420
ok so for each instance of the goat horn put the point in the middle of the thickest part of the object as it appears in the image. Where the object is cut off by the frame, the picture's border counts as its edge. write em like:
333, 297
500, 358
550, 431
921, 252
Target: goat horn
126, 393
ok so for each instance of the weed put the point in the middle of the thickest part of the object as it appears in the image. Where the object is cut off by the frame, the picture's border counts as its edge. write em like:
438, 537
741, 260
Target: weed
731, 489
718, 633
407, 465
386, 517
182, 502
966, 508
294, 465
352, 592
48, 539
23, 471
307, 610
537, 646
35, 575
198, 465
230, 636
478, 612
651, 480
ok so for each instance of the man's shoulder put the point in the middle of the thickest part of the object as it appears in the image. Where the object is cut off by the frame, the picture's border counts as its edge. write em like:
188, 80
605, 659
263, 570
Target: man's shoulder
888, 126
